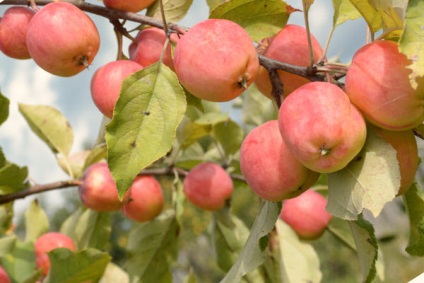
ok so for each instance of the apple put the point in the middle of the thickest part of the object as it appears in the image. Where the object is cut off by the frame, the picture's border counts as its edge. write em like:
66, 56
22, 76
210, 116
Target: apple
48, 242
145, 199
289, 46
107, 81
98, 189
377, 82
216, 60
13, 32
405, 144
320, 126
128, 5
306, 214
208, 186
268, 166
148, 46
62, 39
4, 277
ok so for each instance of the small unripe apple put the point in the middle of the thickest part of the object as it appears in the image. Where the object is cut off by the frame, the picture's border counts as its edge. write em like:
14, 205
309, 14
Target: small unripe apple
148, 46
128, 5
216, 60
306, 214
4, 277
145, 199
377, 82
62, 39
98, 189
208, 186
289, 46
269, 167
405, 144
48, 242
13, 32
107, 81
320, 126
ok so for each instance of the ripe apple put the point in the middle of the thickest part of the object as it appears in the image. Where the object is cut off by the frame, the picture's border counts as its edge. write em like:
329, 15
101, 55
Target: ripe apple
216, 60
62, 39
208, 186
13, 32
148, 46
268, 166
306, 214
128, 5
4, 277
289, 46
405, 144
377, 83
320, 126
48, 242
106, 83
145, 199
98, 189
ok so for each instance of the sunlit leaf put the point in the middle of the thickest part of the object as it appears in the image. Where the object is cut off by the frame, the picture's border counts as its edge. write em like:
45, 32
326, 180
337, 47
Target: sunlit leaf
370, 13
35, 214
146, 117
13, 178
114, 274
414, 202
370, 181
50, 126
344, 11
260, 18
4, 108
175, 10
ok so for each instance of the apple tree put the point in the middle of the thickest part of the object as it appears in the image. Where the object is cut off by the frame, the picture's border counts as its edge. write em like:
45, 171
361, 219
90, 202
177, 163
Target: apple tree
174, 189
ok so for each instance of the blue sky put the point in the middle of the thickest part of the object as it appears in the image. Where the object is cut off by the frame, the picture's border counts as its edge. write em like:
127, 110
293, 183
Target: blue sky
24, 82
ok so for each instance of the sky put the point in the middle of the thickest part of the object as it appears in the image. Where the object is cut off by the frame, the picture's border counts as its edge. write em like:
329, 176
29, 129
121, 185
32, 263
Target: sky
22, 81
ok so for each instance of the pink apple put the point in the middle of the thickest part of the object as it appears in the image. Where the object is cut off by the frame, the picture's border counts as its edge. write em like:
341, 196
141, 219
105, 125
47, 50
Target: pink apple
270, 168
145, 199
306, 214
13, 32
128, 5
208, 186
4, 277
107, 81
377, 82
62, 39
320, 126
216, 60
48, 242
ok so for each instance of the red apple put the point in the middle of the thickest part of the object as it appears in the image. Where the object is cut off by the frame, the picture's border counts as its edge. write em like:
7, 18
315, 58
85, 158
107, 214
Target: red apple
62, 39
145, 199
148, 47
4, 277
216, 60
98, 189
208, 186
128, 5
107, 81
13, 32
306, 214
320, 126
270, 168
377, 82
48, 242
289, 46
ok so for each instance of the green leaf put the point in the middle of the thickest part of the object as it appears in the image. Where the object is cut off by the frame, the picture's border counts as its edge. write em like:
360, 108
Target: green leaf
50, 126
256, 110
4, 108
414, 202
212, 118
367, 247
252, 254
35, 214
68, 226
146, 117
344, 11
189, 132
299, 261
229, 135
260, 18
2, 158
370, 181
93, 230
7, 244
13, 178
6, 217
151, 247
341, 229
114, 274
175, 10
82, 266
412, 40
370, 14
20, 262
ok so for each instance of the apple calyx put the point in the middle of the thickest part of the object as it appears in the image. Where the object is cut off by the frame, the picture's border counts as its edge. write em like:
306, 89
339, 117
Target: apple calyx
324, 151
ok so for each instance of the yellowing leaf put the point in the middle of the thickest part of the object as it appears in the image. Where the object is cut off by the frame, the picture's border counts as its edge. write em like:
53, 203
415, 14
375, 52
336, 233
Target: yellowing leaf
343, 11
175, 10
